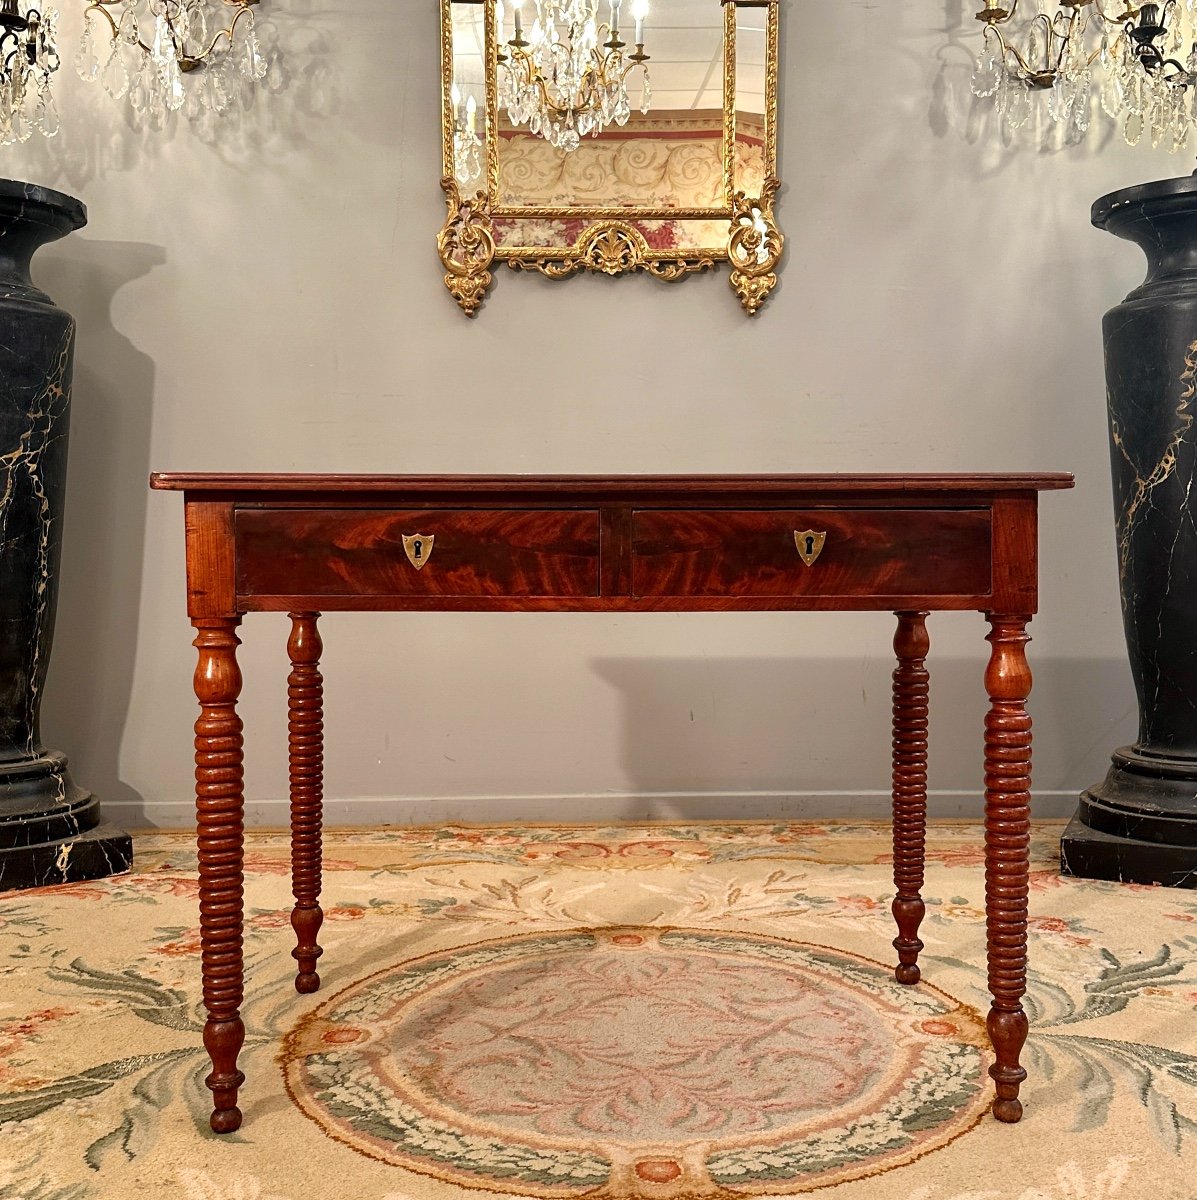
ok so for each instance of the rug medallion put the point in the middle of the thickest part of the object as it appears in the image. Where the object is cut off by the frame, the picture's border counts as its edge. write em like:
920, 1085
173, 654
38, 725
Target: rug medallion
640, 1062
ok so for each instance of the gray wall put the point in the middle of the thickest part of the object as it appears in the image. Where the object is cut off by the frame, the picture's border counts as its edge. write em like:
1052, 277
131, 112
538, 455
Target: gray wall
270, 299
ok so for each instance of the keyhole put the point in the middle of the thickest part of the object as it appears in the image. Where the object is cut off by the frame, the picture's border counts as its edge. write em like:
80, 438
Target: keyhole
420, 547
810, 544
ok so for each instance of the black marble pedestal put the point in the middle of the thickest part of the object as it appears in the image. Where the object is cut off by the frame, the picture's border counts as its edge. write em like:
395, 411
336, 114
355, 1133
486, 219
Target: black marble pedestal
1140, 823
1091, 854
50, 830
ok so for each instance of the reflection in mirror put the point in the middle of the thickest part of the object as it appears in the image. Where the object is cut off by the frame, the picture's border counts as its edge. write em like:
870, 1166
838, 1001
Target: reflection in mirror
751, 43
467, 95
571, 74
670, 156
612, 136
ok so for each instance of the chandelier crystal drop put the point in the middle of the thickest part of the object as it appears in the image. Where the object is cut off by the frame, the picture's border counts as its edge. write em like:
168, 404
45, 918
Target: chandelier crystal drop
148, 51
1137, 64
564, 74
28, 57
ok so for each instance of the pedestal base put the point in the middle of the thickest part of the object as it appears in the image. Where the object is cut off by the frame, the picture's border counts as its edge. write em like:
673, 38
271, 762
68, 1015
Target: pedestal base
1091, 854
94, 854
50, 829
1139, 825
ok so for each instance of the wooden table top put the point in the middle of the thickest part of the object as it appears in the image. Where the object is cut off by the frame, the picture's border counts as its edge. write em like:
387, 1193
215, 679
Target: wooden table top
610, 485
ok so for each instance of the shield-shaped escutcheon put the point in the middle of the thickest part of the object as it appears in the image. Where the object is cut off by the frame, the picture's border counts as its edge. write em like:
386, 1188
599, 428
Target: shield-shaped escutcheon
418, 548
809, 543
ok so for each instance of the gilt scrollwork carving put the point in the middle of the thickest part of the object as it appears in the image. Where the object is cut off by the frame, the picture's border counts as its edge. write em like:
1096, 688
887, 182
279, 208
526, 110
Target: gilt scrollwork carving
614, 248
755, 246
467, 247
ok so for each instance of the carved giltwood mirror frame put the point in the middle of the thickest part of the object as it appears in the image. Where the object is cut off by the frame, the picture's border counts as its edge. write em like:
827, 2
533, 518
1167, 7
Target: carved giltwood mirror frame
676, 189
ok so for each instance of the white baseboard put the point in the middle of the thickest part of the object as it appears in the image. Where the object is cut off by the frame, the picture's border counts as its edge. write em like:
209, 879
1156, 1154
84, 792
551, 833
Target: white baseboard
604, 807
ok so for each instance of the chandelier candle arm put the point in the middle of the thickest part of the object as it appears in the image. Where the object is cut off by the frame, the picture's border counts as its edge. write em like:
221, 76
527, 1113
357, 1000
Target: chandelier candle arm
186, 62
189, 62
182, 43
1131, 57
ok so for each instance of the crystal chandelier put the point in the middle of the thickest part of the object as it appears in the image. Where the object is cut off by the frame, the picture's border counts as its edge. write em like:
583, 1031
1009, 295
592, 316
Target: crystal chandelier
149, 47
569, 76
1141, 61
28, 57
467, 145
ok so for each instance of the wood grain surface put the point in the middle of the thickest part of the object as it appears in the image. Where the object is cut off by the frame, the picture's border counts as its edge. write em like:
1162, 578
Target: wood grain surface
911, 691
628, 487
1007, 852
887, 552
305, 758
476, 552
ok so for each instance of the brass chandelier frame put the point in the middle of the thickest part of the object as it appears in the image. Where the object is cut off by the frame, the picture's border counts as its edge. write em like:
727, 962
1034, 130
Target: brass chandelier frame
13, 23
611, 244
1142, 24
187, 62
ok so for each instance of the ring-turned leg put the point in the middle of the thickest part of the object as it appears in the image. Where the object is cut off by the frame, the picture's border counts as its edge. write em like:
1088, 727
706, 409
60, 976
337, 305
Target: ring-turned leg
911, 689
1007, 857
219, 804
305, 741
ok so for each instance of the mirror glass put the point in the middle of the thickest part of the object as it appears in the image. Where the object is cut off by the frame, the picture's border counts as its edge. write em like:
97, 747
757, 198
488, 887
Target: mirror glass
670, 156
467, 94
751, 75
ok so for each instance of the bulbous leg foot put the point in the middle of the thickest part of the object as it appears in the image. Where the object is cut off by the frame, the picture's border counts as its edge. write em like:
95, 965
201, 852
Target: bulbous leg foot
225, 1120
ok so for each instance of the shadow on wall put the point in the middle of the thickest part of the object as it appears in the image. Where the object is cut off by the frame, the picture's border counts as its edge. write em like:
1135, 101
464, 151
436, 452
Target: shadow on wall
824, 726
102, 134
91, 670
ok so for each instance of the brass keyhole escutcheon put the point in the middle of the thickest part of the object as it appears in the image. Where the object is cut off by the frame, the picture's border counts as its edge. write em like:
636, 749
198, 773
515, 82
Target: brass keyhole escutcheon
418, 548
809, 543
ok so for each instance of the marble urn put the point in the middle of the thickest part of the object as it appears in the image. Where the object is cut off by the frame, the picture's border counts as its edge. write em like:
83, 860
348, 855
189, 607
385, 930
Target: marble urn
50, 827
1140, 823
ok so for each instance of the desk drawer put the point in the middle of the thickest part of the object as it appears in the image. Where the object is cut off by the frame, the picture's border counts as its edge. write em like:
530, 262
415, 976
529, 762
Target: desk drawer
865, 552
463, 552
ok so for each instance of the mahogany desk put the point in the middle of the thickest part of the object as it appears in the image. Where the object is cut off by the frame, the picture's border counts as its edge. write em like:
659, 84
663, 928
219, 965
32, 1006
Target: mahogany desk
306, 544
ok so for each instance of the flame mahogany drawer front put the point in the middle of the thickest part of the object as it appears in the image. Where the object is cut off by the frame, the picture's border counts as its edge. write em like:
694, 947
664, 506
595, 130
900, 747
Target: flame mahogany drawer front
866, 552
465, 552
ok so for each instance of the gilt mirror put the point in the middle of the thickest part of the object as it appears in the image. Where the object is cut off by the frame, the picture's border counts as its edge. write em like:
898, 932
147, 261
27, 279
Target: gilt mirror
612, 136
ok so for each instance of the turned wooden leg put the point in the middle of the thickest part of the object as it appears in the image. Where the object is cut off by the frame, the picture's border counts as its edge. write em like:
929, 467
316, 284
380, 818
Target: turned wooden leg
219, 804
1007, 857
305, 740
911, 688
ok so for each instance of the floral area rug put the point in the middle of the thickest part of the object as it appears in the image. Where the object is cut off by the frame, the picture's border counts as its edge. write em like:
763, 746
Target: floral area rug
652, 1012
